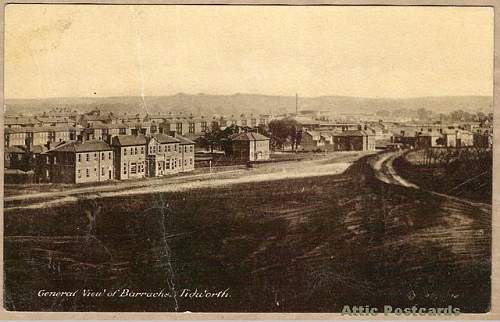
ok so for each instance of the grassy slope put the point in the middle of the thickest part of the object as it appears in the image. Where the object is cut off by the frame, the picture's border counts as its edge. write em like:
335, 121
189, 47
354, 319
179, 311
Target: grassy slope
292, 245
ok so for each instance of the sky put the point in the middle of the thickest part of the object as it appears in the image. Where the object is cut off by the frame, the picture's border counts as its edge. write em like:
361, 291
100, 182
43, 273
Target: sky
122, 50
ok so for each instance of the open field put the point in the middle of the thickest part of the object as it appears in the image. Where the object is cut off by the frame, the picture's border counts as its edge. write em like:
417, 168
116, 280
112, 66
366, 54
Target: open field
314, 238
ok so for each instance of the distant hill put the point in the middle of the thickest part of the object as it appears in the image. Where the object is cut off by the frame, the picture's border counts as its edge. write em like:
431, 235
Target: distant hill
248, 103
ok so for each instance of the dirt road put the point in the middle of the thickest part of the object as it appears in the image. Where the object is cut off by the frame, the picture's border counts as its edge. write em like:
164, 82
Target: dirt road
333, 163
384, 170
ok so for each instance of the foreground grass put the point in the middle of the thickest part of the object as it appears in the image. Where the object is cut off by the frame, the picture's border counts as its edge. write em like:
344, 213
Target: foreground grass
310, 244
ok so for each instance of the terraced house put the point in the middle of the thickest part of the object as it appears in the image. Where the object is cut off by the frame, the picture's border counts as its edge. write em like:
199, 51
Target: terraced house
130, 156
186, 154
76, 162
162, 155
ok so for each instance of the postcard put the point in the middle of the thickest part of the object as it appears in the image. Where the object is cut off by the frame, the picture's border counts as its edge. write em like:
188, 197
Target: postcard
238, 160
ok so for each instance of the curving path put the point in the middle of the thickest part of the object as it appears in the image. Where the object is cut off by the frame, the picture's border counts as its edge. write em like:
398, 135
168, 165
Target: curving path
382, 164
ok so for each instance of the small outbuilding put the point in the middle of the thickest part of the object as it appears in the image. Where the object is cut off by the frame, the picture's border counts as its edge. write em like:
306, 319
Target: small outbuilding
249, 146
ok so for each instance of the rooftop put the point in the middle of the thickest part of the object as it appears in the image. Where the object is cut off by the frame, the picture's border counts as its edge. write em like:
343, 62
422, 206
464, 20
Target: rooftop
248, 136
163, 138
127, 140
82, 146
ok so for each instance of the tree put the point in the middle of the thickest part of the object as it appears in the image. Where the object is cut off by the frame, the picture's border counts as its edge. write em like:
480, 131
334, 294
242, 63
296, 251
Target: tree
216, 137
285, 131
211, 138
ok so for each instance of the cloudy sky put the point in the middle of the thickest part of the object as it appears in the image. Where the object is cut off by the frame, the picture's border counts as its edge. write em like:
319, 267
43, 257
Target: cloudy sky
91, 50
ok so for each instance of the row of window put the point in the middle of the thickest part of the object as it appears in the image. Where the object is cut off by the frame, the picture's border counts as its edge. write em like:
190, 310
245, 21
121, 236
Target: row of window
166, 165
88, 173
134, 168
133, 151
167, 148
95, 156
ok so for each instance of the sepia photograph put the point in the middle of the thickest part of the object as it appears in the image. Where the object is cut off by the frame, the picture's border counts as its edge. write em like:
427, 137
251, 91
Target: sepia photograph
248, 158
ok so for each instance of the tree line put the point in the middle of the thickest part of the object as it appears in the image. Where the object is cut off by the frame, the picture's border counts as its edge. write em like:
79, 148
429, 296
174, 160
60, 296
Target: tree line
283, 134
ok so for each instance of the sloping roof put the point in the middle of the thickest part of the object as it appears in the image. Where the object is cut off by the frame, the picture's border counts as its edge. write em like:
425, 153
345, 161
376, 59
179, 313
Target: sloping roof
108, 126
313, 133
351, 133
15, 149
38, 148
79, 146
127, 140
183, 139
192, 136
9, 130
38, 129
19, 120
53, 119
163, 138
248, 136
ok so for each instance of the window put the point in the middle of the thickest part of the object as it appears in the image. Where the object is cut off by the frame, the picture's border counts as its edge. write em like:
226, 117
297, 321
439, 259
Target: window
179, 128
79, 158
88, 157
191, 127
168, 148
159, 148
102, 156
203, 126
190, 160
190, 148
154, 148
109, 155
95, 171
87, 172
79, 173
185, 149
124, 151
135, 150
142, 150
102, 171
95, 156
125, 168
133, 168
